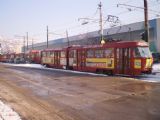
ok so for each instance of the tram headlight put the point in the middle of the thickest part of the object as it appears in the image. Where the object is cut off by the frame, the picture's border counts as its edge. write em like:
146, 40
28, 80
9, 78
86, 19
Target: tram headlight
148, 63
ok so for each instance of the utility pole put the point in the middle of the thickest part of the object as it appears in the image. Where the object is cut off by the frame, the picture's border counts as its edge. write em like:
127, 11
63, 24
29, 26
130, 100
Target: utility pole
101, 23
24, 42
27, 40
67, 38
146, 21
47, 36
32, 44
129, 33
67, 55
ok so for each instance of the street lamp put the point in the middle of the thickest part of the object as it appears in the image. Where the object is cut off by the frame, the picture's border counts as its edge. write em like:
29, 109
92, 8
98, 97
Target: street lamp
102, 41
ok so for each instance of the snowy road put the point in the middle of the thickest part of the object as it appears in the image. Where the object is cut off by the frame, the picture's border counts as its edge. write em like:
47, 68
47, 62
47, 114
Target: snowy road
155, 77
51, 94
6, 113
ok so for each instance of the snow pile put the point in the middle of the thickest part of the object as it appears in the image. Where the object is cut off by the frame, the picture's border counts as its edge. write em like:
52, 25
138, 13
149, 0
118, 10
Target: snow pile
6, 113
38, 66
25, 65
156, 67
29, 65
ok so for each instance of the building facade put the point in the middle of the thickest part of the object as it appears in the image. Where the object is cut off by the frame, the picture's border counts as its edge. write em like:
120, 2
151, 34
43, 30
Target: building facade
128, 32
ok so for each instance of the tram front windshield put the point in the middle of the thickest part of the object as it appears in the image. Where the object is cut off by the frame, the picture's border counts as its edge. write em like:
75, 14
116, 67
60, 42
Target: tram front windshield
142, 52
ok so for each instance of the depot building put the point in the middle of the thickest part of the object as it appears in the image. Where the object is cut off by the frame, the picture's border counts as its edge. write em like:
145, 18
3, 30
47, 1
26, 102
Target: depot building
128, 32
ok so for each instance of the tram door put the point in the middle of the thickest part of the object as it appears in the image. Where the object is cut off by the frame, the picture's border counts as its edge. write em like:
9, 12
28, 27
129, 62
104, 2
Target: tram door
81, 59
123, 60
57, 58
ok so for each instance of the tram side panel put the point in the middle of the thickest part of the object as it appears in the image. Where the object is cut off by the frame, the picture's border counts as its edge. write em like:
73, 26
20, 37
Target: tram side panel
113, 58
35, 56
47, 58
95, 60
63, 59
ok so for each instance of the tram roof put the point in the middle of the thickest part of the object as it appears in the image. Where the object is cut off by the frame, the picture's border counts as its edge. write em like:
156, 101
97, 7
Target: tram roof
121, 44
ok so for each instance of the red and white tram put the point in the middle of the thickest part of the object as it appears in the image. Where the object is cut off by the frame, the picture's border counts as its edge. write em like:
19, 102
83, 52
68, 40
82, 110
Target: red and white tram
123, 57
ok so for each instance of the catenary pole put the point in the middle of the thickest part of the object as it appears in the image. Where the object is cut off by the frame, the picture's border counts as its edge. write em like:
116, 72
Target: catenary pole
32, 44
146, 21
67, 38
27, 40
100, 21
47, 36
24, 42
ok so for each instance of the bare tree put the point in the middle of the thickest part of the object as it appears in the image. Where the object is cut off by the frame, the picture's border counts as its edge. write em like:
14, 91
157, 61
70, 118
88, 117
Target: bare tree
9, 45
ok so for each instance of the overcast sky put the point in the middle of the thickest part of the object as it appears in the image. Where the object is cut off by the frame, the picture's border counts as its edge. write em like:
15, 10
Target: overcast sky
20, 16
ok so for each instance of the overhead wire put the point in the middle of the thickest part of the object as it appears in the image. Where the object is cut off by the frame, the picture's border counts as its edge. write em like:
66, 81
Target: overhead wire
93, 22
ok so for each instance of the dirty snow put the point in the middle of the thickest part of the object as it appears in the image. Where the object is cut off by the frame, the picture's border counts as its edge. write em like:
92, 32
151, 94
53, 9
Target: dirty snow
26, 65
150, 78
6, 113
155, 77
156, 67
38, 66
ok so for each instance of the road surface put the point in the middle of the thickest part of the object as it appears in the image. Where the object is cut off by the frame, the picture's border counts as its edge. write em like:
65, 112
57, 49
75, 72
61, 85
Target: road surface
38, 94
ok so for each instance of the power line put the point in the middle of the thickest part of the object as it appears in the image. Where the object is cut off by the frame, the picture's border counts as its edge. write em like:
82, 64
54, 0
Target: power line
131, 6
157, 15
128, 1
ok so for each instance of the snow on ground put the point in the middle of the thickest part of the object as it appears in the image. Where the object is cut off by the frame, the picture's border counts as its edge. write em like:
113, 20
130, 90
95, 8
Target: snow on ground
26, 65
155, 77
38, 66
150, 78
156, 67
6, 113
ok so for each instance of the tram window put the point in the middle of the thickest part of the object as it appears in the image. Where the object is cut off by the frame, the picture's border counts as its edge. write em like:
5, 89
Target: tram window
71, 54
63, 54
117, 53
142, 52
145, 52
32, 56
39, 53
44, 54
74, 53
129, 52
36, 54
48, 54
99, 53
90, 54
109, 53
137, 53
52, 54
